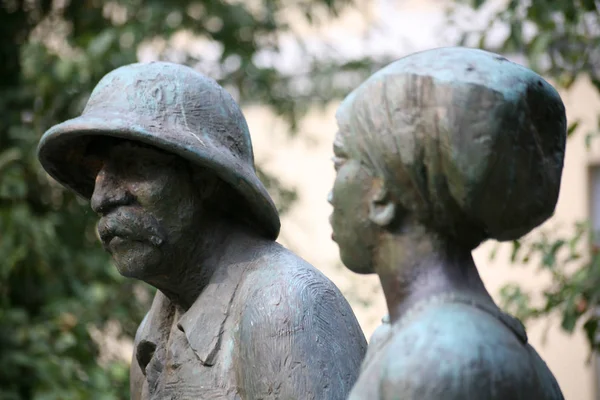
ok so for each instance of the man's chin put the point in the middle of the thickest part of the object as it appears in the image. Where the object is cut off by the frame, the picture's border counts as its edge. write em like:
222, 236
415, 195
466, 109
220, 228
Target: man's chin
138, 261
140, 271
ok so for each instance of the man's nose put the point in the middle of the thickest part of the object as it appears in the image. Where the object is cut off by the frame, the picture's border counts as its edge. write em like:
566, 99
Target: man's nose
109, 193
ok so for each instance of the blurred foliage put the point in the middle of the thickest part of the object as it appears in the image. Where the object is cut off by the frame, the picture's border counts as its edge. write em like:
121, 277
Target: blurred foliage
561, 41
56, 283
573, 291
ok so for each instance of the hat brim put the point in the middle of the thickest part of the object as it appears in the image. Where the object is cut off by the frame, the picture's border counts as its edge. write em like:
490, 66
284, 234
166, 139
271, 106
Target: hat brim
62, 150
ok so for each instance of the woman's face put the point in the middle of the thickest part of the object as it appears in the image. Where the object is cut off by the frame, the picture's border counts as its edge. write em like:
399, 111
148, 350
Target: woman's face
350, 197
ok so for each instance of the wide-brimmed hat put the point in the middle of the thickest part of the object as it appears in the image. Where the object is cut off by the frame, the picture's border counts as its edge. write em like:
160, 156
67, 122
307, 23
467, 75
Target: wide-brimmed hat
173, 108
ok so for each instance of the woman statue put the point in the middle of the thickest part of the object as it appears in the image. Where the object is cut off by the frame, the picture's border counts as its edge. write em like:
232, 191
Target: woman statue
436, 153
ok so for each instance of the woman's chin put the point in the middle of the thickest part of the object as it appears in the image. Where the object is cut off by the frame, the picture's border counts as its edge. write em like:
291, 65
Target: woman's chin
355, 264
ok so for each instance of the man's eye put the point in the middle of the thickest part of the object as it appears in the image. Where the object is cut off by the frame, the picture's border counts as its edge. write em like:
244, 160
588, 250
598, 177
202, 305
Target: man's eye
146, 162
93, 165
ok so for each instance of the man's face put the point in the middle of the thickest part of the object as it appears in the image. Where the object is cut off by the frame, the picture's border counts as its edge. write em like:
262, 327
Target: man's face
147, 206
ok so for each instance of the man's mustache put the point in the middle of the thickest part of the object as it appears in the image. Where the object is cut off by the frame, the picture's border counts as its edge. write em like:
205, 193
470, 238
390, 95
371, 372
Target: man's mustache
130, 223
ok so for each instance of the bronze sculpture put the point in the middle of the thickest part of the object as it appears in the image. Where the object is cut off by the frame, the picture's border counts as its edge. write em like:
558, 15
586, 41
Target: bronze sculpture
165, 156
436, 153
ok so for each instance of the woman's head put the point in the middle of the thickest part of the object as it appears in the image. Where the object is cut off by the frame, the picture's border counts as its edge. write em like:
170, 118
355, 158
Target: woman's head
458, 140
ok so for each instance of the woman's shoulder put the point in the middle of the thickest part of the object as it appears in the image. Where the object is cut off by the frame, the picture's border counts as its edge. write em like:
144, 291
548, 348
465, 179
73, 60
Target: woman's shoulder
453, 350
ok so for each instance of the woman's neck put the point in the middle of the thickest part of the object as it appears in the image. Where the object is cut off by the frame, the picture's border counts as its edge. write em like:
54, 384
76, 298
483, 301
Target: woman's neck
417, 265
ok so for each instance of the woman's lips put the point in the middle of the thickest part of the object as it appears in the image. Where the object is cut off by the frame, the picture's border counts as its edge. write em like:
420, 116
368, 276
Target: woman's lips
330, 224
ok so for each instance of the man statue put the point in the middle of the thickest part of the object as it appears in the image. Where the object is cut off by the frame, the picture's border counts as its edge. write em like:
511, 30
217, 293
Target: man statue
436, 153
165, 156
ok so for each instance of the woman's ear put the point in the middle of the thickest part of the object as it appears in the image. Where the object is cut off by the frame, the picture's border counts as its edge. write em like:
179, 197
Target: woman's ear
382, 210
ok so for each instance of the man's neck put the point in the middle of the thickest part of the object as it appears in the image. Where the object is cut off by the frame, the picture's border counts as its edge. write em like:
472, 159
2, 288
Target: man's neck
417, 265
227, 244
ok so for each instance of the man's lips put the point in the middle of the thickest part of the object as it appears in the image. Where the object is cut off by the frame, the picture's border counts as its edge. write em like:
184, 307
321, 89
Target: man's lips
110, 239
115, 241
121, 226
107, 232
105, 235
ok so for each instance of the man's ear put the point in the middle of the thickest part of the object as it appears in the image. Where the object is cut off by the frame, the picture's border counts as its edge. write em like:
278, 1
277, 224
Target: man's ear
382, 210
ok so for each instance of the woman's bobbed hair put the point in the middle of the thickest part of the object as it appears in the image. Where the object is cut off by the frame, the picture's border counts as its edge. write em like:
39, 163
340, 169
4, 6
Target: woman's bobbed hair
469, 143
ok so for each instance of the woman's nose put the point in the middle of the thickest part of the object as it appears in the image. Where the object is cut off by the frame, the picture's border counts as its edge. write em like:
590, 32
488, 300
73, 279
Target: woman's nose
330, 197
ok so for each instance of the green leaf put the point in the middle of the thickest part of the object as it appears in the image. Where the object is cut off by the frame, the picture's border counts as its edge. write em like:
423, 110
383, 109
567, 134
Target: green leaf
596, 83
8, 156
100, 45
570, 316
572, 127
549, 258
538, 47
494, 252
591, 328
589, 137
589, 5
516, 246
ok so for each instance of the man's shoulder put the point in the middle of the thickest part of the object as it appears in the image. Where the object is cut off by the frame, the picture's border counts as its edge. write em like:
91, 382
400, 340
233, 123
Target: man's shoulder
283, 286
282, 272
295, 331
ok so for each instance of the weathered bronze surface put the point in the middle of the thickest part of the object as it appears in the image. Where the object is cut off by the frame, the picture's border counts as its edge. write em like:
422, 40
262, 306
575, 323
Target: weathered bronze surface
165, 156
435, 153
